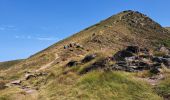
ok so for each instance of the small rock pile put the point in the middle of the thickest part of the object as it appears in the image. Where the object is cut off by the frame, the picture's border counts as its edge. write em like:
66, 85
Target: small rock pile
73, 45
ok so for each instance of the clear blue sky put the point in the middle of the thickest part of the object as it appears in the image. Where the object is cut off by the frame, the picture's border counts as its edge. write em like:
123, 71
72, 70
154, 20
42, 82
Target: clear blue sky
28, 26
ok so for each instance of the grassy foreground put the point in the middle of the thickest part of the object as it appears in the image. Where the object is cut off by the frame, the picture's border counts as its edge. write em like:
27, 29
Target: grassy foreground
98, 85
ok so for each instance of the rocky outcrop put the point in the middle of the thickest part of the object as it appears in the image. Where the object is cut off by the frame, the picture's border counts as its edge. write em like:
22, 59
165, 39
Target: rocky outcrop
88, 58
72, 63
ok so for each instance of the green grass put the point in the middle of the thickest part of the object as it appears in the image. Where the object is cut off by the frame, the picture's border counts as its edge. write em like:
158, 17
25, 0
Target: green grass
165, 42
115, 86
163, 88
98, 85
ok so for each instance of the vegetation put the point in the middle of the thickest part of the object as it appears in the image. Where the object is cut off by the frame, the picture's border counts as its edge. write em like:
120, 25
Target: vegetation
163, 89
8, 64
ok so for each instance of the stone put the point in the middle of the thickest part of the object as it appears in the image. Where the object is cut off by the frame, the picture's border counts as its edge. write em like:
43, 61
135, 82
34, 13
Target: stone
130, 59
120, 55
72, 63
121, 63
155, 70
157, 59
16, 82
164, 49
166, 62
28, 76
88, 58
65, 47
117, 67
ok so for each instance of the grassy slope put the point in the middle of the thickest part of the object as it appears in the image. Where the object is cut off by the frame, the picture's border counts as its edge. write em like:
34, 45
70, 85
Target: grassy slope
94, 86
168, 28
8, 64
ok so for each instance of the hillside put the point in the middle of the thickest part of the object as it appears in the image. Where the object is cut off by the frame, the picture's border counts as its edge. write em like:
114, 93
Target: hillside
8, 64
168, 28
87, 65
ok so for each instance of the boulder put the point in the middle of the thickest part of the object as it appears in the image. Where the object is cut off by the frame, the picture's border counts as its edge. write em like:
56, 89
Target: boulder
133, 49
28, 76
120, 55
157, 59
88, 58
72, 63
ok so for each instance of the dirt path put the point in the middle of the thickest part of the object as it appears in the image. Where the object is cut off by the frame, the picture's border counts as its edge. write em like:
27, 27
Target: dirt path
48, 65
153, 80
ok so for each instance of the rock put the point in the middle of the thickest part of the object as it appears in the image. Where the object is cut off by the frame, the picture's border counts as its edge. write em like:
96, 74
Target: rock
155, 70
121, 63
117, 67
16, 82
166, 56
72, 63
144, 50
65, 47
130, 69
120, 55
28, 76
130, 59
144, 56
157, 59
143, 64
166, 61
77, 45
88, 58
133, 49
164, 49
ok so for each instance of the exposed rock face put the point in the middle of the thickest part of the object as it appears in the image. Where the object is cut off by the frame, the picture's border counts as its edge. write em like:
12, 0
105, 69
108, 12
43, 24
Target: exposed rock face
134, 58
121, 55
130, 59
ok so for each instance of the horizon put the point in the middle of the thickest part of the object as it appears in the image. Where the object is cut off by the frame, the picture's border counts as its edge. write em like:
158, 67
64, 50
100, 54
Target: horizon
28, 27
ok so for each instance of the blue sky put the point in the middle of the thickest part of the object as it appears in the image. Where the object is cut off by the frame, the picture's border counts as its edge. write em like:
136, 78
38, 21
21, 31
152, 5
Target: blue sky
28, 26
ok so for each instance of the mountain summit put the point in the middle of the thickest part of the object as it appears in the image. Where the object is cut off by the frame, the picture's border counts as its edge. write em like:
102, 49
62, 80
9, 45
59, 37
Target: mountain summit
109, 60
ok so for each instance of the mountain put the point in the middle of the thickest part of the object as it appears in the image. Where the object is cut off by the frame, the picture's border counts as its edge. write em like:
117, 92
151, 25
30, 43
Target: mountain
81, 66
